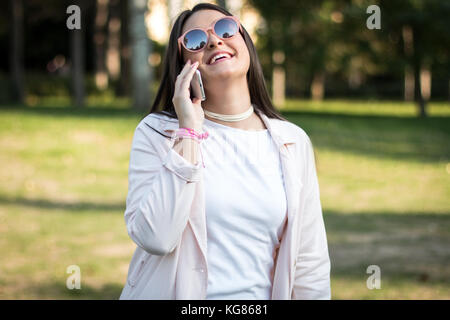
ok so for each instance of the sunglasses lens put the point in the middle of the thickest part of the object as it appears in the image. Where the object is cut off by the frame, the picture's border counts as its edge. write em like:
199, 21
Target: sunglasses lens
195, 39
225, 28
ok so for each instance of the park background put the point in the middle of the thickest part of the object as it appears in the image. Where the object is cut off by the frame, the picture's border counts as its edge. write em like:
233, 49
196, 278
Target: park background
375, 103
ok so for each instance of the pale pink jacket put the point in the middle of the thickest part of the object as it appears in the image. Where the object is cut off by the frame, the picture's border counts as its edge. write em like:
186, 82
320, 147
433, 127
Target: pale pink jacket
165, 217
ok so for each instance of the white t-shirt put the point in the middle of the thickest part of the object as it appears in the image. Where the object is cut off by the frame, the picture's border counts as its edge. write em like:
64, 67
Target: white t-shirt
245, 205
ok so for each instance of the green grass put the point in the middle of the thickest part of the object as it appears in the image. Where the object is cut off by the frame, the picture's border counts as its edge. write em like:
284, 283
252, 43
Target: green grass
384, 183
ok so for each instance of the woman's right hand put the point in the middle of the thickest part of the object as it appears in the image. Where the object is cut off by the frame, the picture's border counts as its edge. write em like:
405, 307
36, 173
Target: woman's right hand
190, 113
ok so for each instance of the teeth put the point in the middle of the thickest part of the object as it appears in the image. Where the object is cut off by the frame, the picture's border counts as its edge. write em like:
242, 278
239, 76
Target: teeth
220, 56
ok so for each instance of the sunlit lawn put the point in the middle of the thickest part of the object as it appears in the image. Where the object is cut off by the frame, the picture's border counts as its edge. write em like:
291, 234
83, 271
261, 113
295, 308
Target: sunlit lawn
384, 181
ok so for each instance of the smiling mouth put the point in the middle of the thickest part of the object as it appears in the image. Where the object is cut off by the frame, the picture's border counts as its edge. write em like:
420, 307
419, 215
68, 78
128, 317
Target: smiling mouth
219, 60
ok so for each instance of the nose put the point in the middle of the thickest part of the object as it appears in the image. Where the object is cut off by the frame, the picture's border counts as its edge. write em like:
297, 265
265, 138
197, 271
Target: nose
214, 41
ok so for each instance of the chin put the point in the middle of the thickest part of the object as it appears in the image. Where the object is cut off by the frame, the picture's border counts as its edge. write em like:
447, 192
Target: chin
227, 73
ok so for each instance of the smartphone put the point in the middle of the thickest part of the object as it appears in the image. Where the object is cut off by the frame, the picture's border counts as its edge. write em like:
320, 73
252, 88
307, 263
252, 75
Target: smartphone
197, 89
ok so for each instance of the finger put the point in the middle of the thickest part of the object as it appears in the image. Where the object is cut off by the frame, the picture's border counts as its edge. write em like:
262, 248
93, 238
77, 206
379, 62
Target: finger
191, 69
197, 101
188, 77
185, 76
185, 69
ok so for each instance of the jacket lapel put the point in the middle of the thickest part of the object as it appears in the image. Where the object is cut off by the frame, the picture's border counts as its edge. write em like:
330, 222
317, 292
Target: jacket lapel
285, 142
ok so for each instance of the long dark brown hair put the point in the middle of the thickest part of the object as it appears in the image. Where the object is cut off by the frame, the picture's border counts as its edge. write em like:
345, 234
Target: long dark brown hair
173, 64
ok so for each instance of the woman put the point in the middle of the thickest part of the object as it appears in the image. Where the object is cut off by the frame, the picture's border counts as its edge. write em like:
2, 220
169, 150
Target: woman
211, 228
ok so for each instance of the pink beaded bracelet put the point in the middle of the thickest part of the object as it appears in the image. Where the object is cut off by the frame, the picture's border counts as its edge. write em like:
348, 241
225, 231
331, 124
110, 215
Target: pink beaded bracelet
192, 134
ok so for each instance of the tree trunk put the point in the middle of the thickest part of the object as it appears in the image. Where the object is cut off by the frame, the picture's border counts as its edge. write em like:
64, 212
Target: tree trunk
101, 19
140, 51
418, 92
408, 48
279, 86
318, 86
16, 55
425, 82
417, 66
278, 79
113, 51
77, 53
409, 84
125, 52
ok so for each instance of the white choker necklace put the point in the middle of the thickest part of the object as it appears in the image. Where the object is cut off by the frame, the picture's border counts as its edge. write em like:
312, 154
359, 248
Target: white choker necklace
230, 117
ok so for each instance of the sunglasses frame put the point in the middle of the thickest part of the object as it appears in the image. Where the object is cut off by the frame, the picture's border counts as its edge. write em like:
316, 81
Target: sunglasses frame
211, 27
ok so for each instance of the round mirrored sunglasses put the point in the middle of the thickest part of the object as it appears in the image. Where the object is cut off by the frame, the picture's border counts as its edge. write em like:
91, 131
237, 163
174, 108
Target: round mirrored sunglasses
195, 40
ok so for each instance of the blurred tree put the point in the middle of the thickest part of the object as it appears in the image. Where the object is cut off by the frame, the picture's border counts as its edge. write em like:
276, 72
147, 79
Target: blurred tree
140, 51
328, 50
77, 50
100, 36
174, 8
16, 55
326, 40
234, 7
124, 82
279, 79
301, 31
423, 26
113, 43
407, 36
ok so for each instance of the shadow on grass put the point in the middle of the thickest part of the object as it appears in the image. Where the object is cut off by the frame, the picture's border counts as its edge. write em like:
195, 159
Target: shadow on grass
411, 249
53, 205
412, 246
392, 137
88, 112
58, 290
349, 285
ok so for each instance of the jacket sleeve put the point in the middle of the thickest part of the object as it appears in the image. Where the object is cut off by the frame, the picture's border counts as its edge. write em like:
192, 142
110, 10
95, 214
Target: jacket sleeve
161, 190
312, 272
